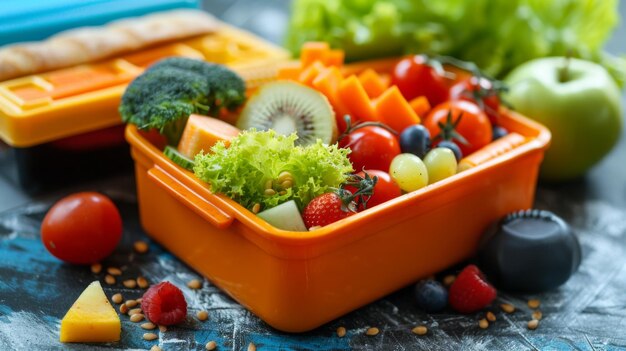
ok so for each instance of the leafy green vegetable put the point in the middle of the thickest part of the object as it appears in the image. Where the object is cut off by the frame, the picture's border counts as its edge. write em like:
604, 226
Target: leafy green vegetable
242, 170
166, 94
497, 35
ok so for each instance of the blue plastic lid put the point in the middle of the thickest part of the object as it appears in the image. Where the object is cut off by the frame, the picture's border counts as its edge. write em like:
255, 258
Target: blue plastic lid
31, 20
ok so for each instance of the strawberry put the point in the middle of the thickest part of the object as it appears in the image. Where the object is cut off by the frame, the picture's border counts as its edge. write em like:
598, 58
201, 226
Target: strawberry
331, 207
470, 292
164, 304
326, 209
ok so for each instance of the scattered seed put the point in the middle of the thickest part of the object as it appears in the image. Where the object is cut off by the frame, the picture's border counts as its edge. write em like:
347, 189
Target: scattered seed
131, 303
142, 283
134, 311
149, 336
141, 246
269, 184
123, 309
286, 184
162, 328
341, 332
449, 279
269, 192
109, 279
534, 303
114, 271
211, 345
155, 348
202, 315
537, 315
251, 347
533, 324
117, 298
483, 324
130, 283
148, 326
373, 331
282, 192
507, 307
96, 268
137, 317
256, 208
420, 330
139, 300
491, 317
194, 284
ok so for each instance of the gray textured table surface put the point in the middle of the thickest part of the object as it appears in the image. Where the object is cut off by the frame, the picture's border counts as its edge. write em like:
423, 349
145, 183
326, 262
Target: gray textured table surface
588, 313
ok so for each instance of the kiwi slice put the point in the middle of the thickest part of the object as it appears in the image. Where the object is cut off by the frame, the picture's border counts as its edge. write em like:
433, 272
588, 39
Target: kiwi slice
178, 158
288, 107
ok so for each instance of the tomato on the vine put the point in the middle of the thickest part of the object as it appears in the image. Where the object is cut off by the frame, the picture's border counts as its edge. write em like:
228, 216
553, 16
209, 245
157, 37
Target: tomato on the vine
373, 147
82, 228
480, 91
384, 190
415, 77
474, 125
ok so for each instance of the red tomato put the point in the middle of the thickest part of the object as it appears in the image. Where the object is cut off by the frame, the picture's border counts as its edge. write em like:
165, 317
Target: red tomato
479, 91
414, 77
372, 147
384, 190
474, 125
82, 228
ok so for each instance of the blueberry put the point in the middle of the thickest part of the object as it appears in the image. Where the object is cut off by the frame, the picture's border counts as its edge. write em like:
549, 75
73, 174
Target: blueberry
415, 140
430, 295
498, 132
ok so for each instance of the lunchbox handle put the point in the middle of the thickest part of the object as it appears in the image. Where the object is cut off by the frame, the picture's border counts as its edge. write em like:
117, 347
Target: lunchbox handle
189, 198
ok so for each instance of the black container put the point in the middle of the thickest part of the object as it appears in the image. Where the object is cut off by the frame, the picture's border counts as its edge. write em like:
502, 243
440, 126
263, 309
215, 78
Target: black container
67, 161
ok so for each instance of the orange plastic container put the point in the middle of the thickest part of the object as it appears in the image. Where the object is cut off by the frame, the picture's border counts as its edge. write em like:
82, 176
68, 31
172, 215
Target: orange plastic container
296, 281
40, 115
66, 102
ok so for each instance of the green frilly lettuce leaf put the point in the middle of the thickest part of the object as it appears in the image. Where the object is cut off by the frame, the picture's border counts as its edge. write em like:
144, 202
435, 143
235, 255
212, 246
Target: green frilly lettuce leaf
242, 170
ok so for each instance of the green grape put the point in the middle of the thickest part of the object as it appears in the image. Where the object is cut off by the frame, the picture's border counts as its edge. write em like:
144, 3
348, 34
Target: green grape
440, 163
409, 172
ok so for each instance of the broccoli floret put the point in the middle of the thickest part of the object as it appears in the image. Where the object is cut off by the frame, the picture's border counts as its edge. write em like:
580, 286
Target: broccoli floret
169, 91
227, 88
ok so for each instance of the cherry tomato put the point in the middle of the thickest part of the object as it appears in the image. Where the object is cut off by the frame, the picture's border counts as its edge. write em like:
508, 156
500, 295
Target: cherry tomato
372, 147
474, 125
481, 92
82, 228
415, 77
384, 190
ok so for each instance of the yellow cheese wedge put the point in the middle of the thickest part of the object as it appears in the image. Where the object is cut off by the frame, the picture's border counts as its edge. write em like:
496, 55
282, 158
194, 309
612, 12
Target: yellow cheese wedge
202, 132
91, 318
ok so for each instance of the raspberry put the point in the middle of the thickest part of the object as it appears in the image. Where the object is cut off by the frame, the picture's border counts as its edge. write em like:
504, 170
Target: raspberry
164, 304
470, 292
430, 295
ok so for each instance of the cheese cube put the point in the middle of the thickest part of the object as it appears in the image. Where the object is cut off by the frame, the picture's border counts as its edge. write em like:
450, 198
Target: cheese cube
91, 318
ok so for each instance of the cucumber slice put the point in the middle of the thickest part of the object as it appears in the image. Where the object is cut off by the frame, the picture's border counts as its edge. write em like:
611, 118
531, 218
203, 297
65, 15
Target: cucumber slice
284, 216
178, 158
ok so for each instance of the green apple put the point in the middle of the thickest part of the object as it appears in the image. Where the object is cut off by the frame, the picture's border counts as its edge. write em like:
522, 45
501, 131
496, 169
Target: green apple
578, 101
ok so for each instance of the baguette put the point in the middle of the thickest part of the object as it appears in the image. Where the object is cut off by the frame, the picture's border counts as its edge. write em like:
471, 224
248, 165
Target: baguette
89, 44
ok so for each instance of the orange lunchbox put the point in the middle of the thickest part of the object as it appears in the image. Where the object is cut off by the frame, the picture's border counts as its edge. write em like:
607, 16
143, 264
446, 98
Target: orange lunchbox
67, 118
297, 281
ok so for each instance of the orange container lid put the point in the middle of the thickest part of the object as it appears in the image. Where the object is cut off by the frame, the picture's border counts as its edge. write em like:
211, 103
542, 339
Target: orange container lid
49, 106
